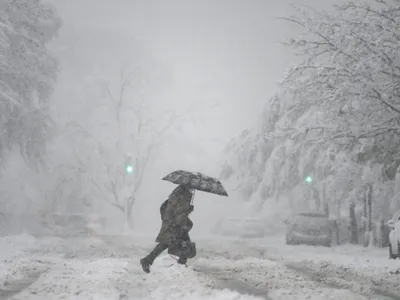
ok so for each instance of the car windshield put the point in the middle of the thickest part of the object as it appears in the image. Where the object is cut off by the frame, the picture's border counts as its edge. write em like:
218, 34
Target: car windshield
311, 222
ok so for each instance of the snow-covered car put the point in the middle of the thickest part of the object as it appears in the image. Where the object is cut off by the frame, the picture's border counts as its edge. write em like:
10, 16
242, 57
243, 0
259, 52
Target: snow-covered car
311, 228
241, 227
394, 236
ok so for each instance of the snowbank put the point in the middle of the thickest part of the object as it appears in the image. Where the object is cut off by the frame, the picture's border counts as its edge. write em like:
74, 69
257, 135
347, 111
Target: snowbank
275, 266
91, 270
110, 279
179, 282
280, 281
354, 267
369, 260
14, 245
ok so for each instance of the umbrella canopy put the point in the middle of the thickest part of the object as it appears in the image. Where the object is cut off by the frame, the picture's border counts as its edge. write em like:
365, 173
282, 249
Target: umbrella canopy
197, 181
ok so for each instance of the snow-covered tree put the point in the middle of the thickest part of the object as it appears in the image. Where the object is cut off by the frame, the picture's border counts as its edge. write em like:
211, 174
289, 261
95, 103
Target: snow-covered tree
27, 76
350, 75
350, 70
336, 116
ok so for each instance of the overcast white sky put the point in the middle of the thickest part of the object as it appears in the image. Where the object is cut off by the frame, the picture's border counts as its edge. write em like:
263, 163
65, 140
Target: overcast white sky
229, 46
224, 51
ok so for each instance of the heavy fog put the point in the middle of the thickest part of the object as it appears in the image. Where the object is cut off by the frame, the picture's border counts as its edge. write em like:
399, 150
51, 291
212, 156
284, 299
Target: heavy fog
199, 73
290, 110
217, 62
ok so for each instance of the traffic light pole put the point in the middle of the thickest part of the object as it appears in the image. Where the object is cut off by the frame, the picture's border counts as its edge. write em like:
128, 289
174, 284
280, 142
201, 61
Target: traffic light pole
128, 166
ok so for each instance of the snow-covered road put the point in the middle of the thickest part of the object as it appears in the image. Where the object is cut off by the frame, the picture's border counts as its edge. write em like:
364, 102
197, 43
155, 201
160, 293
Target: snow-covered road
108, 268
307, 272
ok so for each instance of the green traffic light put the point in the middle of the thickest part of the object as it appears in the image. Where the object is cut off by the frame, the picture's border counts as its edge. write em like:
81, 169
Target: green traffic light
308, 179
129, 169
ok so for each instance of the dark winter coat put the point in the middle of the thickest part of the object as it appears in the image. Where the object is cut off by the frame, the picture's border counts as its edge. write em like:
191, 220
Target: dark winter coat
163, 208
175, 216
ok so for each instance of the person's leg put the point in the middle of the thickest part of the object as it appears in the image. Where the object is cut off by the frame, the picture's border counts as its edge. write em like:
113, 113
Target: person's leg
149, 259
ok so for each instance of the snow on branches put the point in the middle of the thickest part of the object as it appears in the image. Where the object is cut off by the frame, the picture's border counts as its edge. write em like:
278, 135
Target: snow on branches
351, 68
338, 113
27, 75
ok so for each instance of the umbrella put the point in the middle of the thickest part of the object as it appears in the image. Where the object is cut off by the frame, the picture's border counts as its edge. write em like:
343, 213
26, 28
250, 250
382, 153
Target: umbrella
197, 181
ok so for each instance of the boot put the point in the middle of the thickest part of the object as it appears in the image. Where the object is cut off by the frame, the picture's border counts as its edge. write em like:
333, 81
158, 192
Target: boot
145, 265
182, 260
149, 259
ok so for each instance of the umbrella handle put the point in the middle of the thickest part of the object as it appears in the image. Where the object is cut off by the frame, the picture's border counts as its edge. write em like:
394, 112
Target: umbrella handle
192, 200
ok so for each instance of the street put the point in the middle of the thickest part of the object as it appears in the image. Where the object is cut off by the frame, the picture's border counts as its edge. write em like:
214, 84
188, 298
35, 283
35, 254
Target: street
107, 267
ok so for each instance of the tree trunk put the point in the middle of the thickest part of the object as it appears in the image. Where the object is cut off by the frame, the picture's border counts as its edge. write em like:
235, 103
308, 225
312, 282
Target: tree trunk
384, 229
365, 206
382, 233
368, 214
338, 217
317, 199
128, 209
353, 225
126, 227
363, 230
326, 208
336, 229
369, 201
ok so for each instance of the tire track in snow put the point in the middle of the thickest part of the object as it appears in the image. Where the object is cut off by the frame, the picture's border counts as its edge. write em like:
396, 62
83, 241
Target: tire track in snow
323, 279
344, 281
15, 286
232, 283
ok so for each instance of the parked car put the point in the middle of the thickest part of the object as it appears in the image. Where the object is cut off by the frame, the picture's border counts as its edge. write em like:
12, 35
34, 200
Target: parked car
311, 228
394, 236
241, 227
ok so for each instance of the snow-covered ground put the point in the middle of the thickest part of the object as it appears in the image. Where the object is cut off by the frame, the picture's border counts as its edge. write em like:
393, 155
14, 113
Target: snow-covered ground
108, 268
52, 268
12, 246
362, 270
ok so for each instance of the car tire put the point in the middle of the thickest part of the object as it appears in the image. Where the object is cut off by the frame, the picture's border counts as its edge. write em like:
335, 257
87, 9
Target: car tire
391, 255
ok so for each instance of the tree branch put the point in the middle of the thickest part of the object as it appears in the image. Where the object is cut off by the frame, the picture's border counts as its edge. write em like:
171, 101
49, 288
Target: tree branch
115, 204
380, 98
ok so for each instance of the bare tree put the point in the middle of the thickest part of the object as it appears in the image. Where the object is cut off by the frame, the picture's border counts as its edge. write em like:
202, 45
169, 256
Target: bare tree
134, 142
